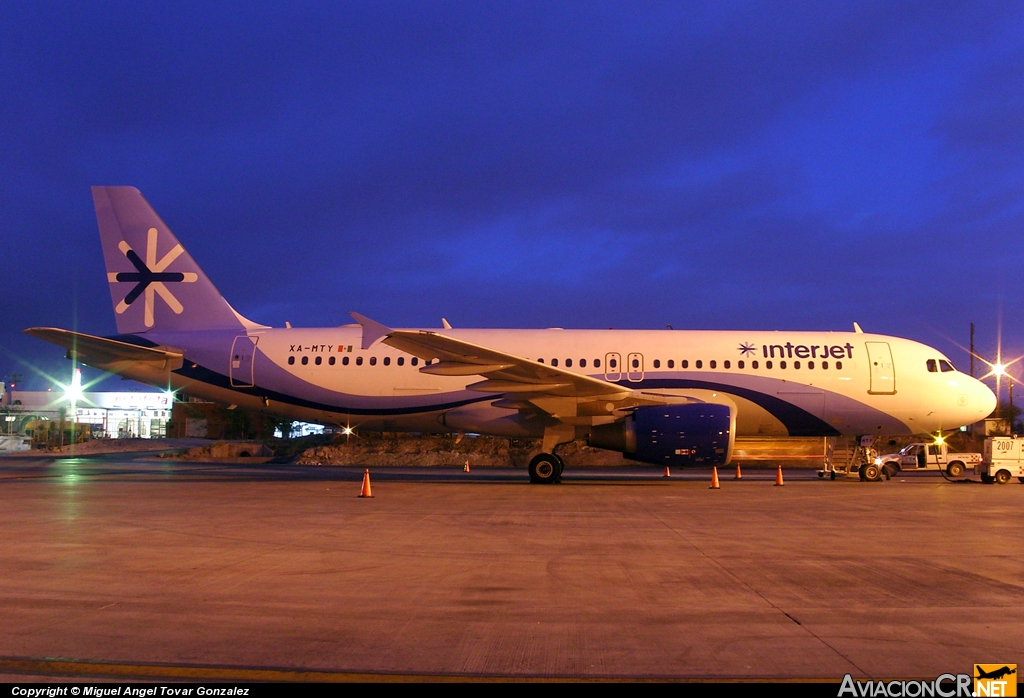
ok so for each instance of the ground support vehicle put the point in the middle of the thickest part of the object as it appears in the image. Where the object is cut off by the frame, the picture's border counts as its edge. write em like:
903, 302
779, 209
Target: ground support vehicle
928, 456
1004, 459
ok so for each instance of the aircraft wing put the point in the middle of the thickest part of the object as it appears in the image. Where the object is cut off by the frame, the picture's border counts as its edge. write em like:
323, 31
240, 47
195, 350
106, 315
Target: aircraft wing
502, 373
97, 351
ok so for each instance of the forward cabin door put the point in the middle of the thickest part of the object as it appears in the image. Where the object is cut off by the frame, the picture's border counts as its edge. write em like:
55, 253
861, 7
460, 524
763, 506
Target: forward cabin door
243, 349
883, 373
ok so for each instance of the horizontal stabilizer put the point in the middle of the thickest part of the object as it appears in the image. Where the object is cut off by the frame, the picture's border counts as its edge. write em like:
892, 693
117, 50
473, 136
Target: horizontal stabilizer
97, 351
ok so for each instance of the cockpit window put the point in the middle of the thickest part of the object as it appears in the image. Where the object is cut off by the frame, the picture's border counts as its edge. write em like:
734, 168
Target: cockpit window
932, 368
945, 366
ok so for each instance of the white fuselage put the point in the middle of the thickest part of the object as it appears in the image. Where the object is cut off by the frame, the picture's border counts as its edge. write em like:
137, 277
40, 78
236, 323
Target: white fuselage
782, 383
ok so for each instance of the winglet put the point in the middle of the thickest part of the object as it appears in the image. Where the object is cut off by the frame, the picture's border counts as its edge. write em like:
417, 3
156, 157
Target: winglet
372, 331
857, 329
445, 323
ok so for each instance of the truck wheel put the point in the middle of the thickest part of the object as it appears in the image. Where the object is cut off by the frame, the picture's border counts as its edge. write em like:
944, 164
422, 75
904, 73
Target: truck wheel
1003, 477
955, 469
871, 472
987, 479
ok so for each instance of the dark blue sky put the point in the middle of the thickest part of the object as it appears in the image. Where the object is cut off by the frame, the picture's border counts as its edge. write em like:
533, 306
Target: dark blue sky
723, 165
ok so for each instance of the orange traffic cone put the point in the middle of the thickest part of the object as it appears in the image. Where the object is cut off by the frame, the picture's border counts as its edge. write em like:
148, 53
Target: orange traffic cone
466, 469
739, 475
668, 473
714, 479
366, 485
778, 478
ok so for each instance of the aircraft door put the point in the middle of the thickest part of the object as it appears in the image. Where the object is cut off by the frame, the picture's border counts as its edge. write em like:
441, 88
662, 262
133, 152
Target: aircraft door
883, 373
243, 349
612, 366
635, 367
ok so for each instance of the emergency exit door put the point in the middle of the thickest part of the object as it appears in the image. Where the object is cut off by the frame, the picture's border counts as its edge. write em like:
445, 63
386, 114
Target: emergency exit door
240, 369
883, 373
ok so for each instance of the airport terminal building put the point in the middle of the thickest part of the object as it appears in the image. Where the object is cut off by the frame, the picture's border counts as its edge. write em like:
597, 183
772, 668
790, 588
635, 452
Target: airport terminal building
115, 415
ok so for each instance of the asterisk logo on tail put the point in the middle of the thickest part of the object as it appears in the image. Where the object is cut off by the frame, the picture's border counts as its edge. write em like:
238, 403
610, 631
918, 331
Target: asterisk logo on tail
746, 348
150, 277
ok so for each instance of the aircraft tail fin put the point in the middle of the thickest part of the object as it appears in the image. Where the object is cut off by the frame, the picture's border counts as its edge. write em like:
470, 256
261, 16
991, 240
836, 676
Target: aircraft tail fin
154, 283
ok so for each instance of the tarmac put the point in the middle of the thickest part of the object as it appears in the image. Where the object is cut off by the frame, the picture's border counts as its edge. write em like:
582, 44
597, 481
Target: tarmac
118, 566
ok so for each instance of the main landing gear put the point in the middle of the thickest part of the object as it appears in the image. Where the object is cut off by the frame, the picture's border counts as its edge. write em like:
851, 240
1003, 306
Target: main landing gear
546, 469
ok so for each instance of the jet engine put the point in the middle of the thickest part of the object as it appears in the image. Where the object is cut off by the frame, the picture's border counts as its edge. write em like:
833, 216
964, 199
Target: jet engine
699, 433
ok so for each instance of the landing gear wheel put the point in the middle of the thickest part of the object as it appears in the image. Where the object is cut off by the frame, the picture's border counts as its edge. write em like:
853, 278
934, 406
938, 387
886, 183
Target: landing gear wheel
544, 469
871, 472
1003, 477
955, 469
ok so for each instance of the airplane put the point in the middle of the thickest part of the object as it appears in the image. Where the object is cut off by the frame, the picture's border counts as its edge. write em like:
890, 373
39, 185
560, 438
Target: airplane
669, 397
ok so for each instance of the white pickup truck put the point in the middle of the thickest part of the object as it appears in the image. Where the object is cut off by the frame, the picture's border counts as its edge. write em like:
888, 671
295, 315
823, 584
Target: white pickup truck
1004, 458
933, 456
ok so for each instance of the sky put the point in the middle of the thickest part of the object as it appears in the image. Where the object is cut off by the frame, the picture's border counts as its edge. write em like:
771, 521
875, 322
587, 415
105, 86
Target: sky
727, 165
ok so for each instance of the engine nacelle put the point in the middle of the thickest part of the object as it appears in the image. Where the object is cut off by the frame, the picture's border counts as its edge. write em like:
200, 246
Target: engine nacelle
700, 433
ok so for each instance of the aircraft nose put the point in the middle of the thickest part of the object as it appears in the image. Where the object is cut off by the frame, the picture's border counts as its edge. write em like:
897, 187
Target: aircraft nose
985, 399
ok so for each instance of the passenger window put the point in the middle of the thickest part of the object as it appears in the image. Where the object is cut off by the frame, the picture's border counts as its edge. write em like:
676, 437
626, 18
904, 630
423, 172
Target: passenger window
753, 364
740, 364
945, 366
318, 360
671, 363
824, 365
657, 363
305, 360
401, 361
613, 363
540, 360
636, 363
685, 363
344, 361
554, 362
415, 360
583, 363
810, 365
782, 364
291, 360
332, 361
568, 363
728, 364
597, 363
932, 368
767, 364
699, 364
387, 360
373, 360
796, 364
714, 364
359, 361
839, 365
